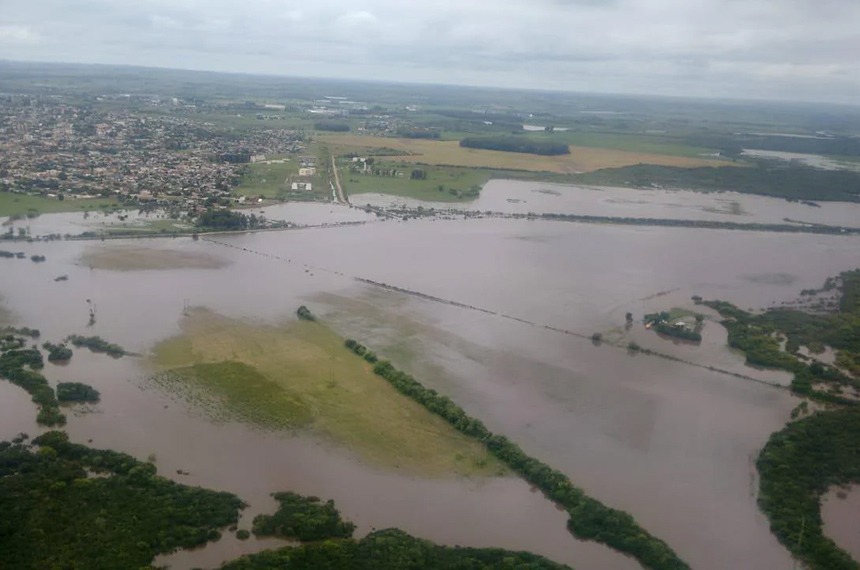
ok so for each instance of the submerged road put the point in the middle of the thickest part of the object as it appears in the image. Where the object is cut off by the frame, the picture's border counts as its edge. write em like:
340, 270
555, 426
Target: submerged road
341, 197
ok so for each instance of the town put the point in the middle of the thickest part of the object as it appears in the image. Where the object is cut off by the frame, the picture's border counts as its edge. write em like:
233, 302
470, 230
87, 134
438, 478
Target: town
58, 149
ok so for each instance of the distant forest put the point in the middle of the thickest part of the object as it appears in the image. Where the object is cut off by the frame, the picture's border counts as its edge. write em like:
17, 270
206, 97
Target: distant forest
516, 144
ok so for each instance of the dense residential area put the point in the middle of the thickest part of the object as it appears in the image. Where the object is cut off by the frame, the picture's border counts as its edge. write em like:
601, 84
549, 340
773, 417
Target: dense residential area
62, 150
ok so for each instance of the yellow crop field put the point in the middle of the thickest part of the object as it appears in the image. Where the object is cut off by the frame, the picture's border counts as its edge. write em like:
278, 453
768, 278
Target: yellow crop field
450, 153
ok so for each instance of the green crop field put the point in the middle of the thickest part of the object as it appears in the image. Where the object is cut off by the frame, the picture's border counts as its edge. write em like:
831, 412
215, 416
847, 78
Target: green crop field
442, 184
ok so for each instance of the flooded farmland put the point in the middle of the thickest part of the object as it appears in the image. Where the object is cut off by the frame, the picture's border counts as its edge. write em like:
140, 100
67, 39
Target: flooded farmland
517, 197
672, 443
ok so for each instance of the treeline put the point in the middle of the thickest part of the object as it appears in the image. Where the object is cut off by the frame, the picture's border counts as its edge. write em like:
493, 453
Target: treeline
97, 344
227, 220
55, 515
589, 519
10, 254
19, 366
331, 126
699, 224
499, 119
22, 331
303, 518
797, 466
390, 549
767, 178
516, 144
416, 133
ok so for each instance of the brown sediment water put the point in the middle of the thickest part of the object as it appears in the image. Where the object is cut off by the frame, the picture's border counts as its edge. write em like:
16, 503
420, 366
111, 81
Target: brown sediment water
840, 512
670, 443
521, 197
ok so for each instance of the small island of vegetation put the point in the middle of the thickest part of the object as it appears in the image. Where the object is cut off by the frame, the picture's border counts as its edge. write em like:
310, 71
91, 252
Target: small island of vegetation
677, 324
97, 344
57, 352
76, 392
305, 314
303, 518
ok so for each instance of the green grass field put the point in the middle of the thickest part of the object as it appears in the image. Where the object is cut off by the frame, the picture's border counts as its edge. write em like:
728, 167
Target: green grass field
443, 184
268, 180
12, 204
299, 375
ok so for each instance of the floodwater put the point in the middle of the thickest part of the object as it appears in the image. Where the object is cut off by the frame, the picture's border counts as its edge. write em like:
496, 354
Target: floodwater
674, 444
516, 197
75, 223
814, 160
840, 512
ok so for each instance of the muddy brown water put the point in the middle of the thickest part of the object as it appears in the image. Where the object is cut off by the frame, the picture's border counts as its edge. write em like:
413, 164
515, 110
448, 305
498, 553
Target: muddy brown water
672, 444
840, 512
511, 196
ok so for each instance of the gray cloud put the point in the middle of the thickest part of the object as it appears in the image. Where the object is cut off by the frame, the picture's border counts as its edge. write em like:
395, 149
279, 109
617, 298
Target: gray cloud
796, 49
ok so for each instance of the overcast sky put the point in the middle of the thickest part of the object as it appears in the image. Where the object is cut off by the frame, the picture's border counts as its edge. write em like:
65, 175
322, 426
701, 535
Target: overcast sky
780, 49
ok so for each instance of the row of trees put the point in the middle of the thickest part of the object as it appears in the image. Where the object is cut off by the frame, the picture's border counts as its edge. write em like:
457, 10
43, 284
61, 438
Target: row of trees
97, 344
228, 220
700, 224
589, 518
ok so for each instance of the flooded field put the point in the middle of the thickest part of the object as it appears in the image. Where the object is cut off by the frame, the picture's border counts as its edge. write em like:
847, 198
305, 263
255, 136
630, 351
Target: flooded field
516, 197
672, 443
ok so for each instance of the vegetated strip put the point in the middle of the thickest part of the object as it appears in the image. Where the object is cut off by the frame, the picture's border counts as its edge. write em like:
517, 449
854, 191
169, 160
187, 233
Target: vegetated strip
589, 519
631, 221
97, 344
389, 549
